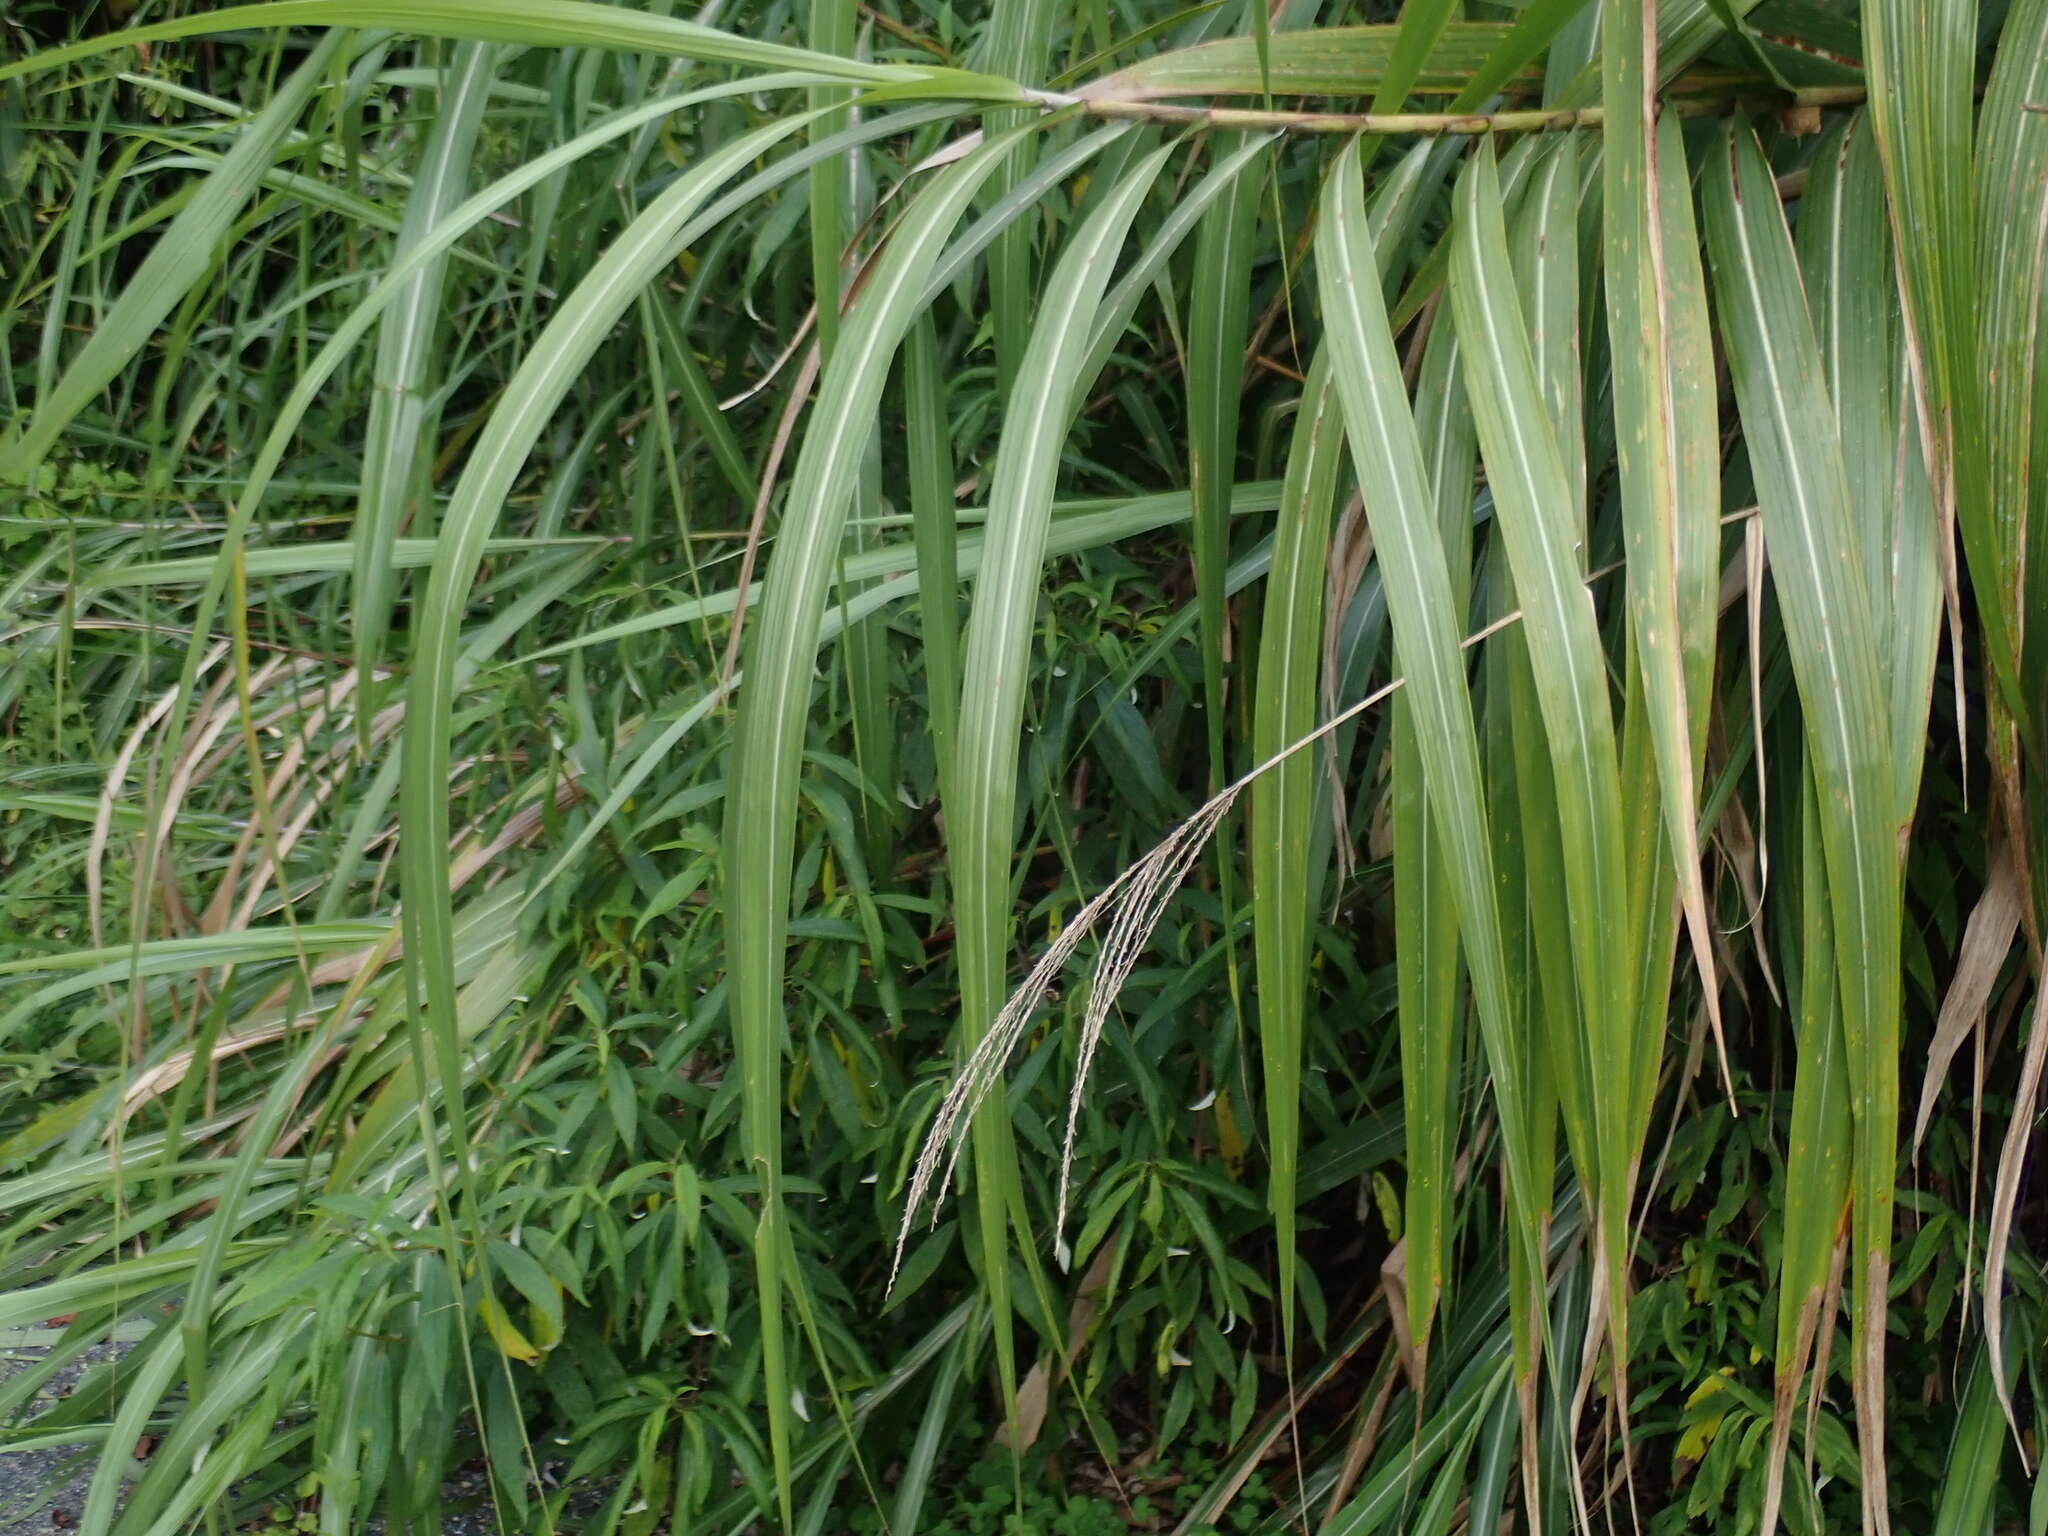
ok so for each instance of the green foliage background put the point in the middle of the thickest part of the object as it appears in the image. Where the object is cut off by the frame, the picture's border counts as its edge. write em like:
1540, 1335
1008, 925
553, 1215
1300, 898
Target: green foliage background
535, 751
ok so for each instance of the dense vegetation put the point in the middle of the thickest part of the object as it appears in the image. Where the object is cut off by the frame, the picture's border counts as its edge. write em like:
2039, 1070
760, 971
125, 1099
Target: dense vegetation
1446, 603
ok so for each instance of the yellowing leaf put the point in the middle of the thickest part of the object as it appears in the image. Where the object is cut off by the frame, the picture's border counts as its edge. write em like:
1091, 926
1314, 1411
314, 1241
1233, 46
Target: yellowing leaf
1389, 1203
1229, 1139
1699, 1432
546, 1332
511, 1343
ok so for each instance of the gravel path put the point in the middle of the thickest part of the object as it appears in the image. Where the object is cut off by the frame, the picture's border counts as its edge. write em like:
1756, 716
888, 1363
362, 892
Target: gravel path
27, 1505
30, 1507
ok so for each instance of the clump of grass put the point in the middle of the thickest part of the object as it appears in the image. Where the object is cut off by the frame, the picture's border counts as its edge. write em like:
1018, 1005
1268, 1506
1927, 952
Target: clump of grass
523, 877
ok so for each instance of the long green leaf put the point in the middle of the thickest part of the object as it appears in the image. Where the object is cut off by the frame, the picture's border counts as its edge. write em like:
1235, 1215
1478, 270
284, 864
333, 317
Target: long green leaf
1219, 322
1819, 1149
1650, 445
1425, 910
1283, 798
534, 23
1920, 61
179, 260
1014, 46
1002, 620
1696, 443
1426, 622
1809, 524
1285, 885
769, 733
399, 408
1538, 23
1846, 256
579, 327
2012, 290
937, 536
1977, 1448
1536, 514
1325, 61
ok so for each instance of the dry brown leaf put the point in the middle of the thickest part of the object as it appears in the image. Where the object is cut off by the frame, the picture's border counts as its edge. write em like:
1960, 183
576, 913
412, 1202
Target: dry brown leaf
1987, 938
1034, 1396
2005, 1195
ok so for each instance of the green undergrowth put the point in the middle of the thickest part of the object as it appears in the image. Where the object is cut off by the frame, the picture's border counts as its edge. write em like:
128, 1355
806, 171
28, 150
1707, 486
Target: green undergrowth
592, 596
